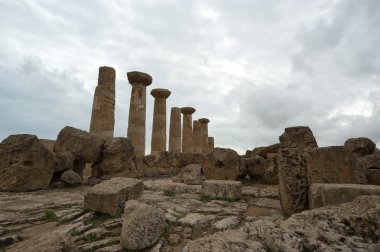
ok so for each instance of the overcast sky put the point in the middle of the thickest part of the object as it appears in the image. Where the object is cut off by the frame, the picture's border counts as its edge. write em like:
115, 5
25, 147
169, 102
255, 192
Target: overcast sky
252, 67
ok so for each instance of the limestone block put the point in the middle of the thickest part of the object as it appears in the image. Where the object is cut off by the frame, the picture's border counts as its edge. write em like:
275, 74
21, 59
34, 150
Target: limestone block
63, 161
25, 164
72, 178
360, 146
263, 151
222, 163
110, 196
256, 167
190, 175
86, 147
300, 136
370, 165
321, 195
142, 227
222, 189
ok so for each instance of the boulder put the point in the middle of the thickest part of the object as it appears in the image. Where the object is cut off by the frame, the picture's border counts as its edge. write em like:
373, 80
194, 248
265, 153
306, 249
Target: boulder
300, 167
222, 189
63, 161
263, 151
256, 167
25, 164
370, 165
71, 178
360, 146
300, 136
86, 147
190, 175
116, 156
110, 196
142, 226
321, 195
225, 164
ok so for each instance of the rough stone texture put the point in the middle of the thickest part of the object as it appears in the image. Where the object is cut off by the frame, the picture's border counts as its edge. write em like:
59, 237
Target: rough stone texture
263, 151
211, 144
103, 107
187, 129
271, 171
300, 136
360, 146
158, 142
222, 189
256, 167
197, 148
190, 175
47, 242
175, 130
86, 147
110, 196
142, 227
72, 178
204, 135
63, 161
137, 110
334, 194
25, 164
223, 163
300, 167
48, 143
116, 157
370, 164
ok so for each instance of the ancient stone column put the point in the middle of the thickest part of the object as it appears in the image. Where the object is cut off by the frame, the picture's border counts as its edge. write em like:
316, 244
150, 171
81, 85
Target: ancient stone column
197, 137
137, 110
158, 142
187, 129
103, 107
204, 135
210, 144
175, 130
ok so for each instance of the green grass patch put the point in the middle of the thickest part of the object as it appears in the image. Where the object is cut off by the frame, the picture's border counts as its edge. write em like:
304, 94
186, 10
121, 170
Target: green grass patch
50, 215
90, 238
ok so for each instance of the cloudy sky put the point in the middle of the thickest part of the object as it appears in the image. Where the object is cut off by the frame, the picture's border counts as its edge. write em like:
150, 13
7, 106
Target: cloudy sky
252, 67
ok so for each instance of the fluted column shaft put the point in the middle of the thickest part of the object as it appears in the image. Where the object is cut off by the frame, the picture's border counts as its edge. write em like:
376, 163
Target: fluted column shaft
103, 107
210, 144
204, 135
137, 111
158, 142
187, 129
175, 130
197, 137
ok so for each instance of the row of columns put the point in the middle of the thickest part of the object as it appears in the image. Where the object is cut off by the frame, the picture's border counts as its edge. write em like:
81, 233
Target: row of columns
193, 137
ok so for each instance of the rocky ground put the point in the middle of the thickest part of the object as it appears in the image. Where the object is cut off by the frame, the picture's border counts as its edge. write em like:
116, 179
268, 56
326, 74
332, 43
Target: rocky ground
53, 220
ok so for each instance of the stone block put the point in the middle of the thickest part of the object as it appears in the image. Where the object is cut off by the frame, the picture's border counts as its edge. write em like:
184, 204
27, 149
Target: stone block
110, 196
222, 189
321, 195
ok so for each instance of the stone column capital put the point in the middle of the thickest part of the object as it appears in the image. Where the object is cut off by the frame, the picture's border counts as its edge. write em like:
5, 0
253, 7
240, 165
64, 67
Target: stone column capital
204, 120
187, 110
136, 78
160, 93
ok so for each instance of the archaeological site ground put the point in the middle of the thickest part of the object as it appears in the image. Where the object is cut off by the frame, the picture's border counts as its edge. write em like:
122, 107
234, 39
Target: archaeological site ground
91, 191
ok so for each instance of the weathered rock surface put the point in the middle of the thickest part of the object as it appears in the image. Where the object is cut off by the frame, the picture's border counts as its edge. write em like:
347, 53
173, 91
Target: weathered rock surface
256, 167
300, 136
222, 189
300, 167
71, 178
370, 165
225, 164
334, 194
190, 175
360, 146
110, 196
116, 156
263, 151
271, 171
25, 164
63, 161
142, 227
86, 147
